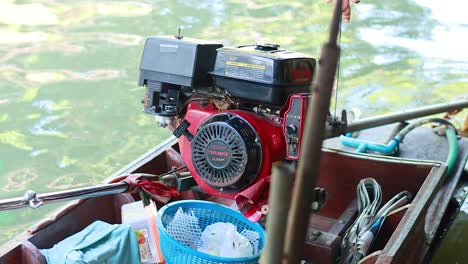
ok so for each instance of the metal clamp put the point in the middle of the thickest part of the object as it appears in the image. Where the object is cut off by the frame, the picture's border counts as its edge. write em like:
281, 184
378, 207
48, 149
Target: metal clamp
31, 198
335, 125
320, 196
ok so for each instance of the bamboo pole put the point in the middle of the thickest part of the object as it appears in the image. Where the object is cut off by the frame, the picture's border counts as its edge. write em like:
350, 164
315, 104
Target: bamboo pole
307, 171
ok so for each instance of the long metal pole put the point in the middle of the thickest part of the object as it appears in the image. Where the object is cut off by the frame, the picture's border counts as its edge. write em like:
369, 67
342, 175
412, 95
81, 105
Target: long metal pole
31, 199
405, 115
386, 119
314, 130
74, 194
279, 202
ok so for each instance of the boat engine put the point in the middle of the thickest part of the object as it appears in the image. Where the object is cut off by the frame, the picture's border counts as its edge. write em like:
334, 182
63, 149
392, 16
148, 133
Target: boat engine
236, 110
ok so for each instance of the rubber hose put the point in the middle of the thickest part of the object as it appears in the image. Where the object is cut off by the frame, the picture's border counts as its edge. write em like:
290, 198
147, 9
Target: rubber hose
450, 134
421, 122
453, 149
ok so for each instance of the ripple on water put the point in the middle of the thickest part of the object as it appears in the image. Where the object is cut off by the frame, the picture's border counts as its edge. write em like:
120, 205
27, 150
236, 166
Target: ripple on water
357, 98
17, 180
123, 8
65, 162
38, 127
68, 181
46, 105
4, 101
10, 37
44, 77
102, 74
26, 14
37, 152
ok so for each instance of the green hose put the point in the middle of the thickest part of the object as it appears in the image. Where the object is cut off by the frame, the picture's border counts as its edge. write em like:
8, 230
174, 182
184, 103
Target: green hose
452, 155
450, 134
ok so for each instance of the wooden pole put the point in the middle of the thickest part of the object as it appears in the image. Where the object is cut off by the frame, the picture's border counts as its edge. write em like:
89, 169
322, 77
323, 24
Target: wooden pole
279, 202
314, 130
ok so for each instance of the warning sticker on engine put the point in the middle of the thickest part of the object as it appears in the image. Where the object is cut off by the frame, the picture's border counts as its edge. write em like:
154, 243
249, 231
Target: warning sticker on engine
246, 70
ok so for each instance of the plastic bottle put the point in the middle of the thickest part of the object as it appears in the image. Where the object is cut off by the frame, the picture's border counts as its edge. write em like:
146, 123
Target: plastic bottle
143, 221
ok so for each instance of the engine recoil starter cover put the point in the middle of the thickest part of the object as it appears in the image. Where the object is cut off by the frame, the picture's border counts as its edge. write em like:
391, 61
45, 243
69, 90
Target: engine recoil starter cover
226, 152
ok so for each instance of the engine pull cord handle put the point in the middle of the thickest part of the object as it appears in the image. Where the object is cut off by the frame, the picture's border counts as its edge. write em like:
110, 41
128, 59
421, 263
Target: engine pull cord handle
182, 129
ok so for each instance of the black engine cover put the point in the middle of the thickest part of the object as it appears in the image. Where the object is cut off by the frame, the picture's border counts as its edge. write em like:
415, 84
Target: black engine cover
263, 74
226, 152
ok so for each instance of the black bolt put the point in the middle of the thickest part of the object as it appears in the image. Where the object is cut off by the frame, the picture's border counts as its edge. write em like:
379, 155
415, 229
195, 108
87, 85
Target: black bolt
291, 129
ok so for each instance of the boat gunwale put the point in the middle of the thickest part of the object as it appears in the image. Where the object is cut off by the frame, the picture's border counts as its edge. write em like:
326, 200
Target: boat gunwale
416, 213
172, 141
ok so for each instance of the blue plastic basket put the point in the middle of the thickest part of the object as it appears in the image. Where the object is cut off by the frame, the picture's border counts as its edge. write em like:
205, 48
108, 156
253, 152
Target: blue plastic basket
176, 252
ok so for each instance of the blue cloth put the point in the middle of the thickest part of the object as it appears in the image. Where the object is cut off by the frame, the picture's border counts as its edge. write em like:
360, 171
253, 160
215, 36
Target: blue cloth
99, 242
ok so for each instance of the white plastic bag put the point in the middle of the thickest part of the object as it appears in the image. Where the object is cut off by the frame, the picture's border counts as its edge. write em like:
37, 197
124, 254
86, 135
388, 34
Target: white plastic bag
223, 240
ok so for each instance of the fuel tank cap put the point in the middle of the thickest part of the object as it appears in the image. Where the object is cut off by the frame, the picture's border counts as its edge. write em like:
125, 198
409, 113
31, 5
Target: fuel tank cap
265, 45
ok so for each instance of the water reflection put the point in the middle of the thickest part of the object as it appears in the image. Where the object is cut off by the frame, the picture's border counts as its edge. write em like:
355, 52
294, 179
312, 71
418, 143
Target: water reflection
69, 111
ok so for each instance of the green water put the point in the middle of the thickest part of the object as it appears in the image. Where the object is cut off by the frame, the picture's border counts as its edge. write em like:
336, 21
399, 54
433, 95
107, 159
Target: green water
453, 247
69, 104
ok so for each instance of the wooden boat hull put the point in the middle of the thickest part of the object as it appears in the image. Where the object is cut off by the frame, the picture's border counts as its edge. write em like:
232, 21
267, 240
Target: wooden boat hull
406, 237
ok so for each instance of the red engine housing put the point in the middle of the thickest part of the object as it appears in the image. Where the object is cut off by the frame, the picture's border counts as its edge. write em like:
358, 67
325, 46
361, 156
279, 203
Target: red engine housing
269, 132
